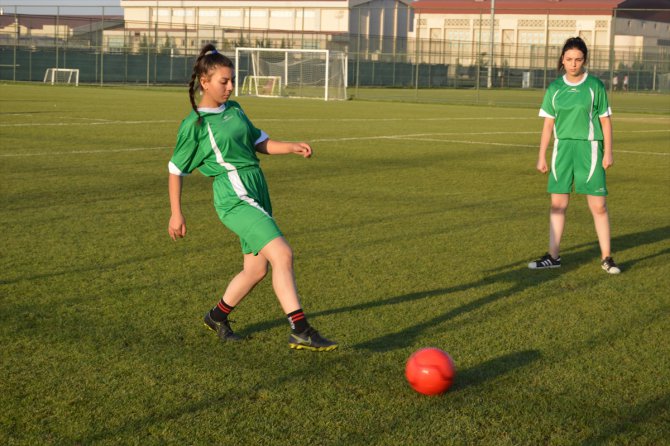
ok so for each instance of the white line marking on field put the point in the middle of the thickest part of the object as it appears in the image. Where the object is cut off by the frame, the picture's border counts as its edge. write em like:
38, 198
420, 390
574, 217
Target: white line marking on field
80, 152
641, 152
423, 137
63, 124
165, 121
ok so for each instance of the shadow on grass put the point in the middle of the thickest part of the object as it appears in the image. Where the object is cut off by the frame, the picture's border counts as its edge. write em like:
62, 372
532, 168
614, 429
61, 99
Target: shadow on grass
493, 368
520, 277
630, 419
619, 243
94, 268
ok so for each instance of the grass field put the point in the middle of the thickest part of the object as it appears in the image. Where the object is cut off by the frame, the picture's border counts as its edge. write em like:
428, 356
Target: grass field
412, 226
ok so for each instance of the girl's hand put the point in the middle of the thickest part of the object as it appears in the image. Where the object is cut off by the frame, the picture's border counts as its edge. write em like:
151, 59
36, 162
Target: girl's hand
608, 160
177, 227
302, 148
542, 165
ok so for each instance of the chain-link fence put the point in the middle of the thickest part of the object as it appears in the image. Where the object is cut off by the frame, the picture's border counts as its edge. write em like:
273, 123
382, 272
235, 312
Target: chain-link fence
106, 49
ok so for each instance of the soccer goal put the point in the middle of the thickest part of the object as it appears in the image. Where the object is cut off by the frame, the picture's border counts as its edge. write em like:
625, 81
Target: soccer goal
62, 76
301, 73
264, 86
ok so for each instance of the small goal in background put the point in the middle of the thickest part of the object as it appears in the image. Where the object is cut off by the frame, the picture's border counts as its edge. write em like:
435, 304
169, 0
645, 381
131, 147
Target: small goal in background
62, 76
263, 86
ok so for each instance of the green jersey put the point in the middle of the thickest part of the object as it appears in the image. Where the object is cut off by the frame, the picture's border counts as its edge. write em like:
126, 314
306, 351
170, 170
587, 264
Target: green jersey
225, 140
576, 108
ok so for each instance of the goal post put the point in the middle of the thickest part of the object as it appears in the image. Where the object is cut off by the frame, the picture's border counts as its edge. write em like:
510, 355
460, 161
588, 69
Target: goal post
302, 73
263, 86
62, 76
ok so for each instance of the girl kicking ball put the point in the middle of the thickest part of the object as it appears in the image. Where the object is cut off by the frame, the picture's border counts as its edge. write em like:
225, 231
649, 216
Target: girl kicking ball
219, 139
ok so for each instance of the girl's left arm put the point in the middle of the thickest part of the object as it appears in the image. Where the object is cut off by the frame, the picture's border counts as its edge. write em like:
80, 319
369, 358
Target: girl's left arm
271, 147
608, 158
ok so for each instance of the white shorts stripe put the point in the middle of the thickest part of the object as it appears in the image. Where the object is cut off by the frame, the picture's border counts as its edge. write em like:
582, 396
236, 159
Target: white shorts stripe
554, 153
594, 159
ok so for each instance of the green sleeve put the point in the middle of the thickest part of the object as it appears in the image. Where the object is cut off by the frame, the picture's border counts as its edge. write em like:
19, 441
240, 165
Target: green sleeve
185, 157
547, 110
601, 103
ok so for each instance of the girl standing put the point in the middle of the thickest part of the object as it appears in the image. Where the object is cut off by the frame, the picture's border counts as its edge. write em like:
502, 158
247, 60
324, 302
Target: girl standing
576, 111
219, 139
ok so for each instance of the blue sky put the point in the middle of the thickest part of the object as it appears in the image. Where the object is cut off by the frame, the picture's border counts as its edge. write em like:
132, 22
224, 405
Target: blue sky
87, 7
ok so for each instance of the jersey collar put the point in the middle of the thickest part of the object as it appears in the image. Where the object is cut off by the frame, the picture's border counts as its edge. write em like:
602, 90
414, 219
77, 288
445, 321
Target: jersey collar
574, 84
218, 109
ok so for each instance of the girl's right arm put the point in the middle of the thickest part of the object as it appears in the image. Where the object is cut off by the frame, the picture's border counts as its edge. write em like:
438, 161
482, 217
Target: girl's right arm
547, 130
177, 225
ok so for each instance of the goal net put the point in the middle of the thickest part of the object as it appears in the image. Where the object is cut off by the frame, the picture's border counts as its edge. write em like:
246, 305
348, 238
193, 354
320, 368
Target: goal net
62, 76
301, 73
264, 86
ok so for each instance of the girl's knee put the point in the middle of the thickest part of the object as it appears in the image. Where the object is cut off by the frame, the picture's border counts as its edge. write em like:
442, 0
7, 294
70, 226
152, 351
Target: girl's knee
256, 273
599, 208
282, 257
558, 208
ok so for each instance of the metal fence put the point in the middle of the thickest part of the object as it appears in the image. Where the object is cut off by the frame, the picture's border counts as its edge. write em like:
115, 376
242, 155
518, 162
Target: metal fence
108, 50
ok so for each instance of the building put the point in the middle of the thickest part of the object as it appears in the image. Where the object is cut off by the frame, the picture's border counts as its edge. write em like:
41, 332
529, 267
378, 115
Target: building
525, 33
311, 24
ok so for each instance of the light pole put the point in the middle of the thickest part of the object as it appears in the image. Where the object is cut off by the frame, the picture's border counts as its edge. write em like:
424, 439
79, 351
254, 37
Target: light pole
489, 82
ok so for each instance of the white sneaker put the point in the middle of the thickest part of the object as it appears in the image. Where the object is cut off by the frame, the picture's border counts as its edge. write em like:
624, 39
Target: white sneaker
609, 266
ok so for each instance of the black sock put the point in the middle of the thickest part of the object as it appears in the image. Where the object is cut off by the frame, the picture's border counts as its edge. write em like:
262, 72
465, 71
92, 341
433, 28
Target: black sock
298, 321
221, 311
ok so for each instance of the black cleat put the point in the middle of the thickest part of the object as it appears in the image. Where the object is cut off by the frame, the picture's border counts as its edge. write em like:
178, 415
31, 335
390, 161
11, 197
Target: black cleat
546, 261
310, 339
222, 329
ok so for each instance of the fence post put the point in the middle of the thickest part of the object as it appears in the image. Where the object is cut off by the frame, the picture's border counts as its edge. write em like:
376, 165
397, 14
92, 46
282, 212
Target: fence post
479, 56
56, 33
102, 49
17, 37
489, 81
417, 56
358, 51
611, 53
546, 51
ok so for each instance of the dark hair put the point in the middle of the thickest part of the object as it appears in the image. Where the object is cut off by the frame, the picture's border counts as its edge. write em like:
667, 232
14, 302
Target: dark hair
573, 43
208, 59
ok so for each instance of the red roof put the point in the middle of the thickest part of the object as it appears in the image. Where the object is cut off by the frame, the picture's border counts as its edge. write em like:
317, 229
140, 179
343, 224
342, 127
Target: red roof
563, 7
37, 21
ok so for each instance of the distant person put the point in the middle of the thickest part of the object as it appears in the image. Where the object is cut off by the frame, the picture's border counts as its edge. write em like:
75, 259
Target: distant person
219, 139
577, 113
615, 82
625, 83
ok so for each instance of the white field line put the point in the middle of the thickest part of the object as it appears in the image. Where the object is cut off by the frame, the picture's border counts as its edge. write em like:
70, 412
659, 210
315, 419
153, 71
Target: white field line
423, 137
80, 152
482, 143
167, 121
68, 124
93, 121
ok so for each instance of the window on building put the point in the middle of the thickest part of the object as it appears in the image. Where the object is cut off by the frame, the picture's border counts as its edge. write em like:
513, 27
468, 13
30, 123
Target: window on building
531, 37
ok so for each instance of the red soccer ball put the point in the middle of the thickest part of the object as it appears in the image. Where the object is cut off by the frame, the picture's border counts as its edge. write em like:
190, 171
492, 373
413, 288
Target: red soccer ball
430, 371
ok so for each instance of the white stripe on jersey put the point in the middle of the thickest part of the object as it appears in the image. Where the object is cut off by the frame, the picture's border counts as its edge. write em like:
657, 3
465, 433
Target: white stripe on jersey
594, 159
233, 175
553, 100
591, 130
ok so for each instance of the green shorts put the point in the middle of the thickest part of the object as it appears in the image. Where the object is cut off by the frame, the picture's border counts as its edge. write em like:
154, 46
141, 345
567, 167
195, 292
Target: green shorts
579, 163
242, 201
